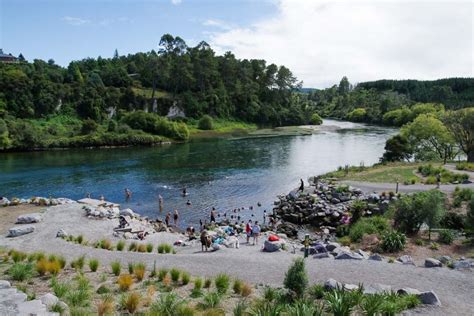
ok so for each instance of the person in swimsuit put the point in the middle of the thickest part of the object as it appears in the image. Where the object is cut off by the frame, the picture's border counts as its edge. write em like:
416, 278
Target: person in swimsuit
176, 217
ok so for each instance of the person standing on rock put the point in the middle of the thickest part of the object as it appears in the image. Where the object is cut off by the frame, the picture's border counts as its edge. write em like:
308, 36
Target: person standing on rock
167, 219
301, 188
213, 215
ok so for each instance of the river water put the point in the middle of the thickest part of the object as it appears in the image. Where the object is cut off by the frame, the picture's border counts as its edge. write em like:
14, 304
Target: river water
221, 173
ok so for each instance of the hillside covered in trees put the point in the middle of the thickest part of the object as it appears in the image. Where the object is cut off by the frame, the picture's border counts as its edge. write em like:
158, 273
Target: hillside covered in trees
124, 100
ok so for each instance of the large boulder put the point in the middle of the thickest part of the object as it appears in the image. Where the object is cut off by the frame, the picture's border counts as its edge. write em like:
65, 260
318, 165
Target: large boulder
429, 298
272, 246
29, 218
332, 245
61, 233
332, 284
4, 201
377, 288
127, 212
20, 230
49, 300
376, 257
408, 291
432, 263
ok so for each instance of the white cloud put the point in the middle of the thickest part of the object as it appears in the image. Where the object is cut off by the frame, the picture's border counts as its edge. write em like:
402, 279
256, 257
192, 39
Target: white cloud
176, 2
74, 20
217, 24
321, 40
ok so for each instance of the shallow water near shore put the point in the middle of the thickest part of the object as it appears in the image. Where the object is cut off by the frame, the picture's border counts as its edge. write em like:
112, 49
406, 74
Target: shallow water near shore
221, 173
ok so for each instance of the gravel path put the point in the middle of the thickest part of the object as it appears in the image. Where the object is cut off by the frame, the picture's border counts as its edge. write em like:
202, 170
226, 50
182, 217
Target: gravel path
454, 288
369, 187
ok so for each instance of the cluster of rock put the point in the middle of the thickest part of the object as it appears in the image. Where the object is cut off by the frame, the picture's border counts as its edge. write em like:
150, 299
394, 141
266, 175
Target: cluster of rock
324, 206
23, 228
40, 201
101, 211
427, 297
14, 302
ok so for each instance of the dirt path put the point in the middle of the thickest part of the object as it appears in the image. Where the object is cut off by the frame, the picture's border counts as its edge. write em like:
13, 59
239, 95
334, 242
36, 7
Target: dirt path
370, 187
455, 288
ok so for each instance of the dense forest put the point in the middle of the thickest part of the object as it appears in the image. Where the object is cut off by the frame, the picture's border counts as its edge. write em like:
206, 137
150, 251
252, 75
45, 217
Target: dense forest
124, 100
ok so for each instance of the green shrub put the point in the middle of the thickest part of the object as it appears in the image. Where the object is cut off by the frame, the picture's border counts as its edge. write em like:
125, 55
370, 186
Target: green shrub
131, 267
116, 267
175, 274
434, 246
271, 294
198, 283
452, 220
133, 246
207, 283
371, 305
393, 241
60, 289
206, 123
296, 279
21, 271
167, 305
93, 265
446, 236
369, 225
80, 239
103, 290
62, 262
211, 300
340, 302
222, 283
164, 248
317, 291
120, 245
78, 264
18, 256
316, 119
139, 270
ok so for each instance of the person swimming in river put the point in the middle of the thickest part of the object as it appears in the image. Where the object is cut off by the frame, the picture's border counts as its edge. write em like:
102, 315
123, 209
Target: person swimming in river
188, 202
128, 194
185, 192
301, 188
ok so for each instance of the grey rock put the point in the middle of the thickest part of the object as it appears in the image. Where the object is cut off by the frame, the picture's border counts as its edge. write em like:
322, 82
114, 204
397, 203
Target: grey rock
377, 288
445, 259
49, 300
429, 298
61, 233
332, 284
4, 284
335, 201
432, 263
272, 246
376, 257
332, 245
348, 256
29, 218
406, 259
462, 264
364, 254
408, 291
127, 212
4, 201
19, 231
350, 287
322, 255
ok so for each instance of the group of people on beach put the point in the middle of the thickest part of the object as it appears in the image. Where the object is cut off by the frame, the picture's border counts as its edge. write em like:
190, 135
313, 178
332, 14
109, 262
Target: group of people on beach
252, 231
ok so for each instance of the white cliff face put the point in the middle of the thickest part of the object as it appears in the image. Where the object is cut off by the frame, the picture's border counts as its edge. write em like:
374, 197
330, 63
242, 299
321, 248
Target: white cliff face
175, 111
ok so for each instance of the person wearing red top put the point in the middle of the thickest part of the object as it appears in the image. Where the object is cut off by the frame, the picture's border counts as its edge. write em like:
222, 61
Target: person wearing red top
248, 230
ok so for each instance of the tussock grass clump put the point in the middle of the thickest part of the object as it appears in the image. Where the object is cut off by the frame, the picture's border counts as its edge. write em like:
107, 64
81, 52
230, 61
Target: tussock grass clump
42, 266
185, 278
316, 291
102, 290
116, 267
93, 265
149, 247
21, 271
237, 287
62, 262
130, 267
18, 256
132, 246
141, 248
222, 283
80, 295
162, 273
165, 248
207, 283
60, 289
80, 239
125, 282
120, 245
139, 271
167, 305
106, 244
53, 267
105, 305
246, 290
196, 291
78, 264
175, 274
211, 300
130, 302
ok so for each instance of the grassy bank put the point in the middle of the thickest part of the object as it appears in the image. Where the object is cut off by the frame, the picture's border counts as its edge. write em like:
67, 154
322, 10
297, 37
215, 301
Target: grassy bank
221, 128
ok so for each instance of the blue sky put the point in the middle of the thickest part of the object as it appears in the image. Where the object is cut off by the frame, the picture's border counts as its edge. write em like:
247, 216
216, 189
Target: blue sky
319, 40
75, 29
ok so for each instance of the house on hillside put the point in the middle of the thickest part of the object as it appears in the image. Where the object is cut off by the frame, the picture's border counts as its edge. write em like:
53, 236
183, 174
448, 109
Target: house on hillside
7, 58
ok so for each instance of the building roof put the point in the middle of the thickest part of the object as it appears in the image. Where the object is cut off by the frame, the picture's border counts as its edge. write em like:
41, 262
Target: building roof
3, 55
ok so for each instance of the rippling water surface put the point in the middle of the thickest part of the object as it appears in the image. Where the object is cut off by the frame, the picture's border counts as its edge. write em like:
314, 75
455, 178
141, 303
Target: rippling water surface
226, 174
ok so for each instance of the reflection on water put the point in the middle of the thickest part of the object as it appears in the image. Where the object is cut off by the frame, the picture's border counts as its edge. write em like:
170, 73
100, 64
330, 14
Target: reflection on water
225, 174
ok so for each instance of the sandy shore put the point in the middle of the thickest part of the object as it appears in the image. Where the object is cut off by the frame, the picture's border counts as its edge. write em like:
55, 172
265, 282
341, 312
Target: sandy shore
455, 288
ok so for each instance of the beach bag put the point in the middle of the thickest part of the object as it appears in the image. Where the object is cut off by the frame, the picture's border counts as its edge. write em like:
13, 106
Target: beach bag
273, 238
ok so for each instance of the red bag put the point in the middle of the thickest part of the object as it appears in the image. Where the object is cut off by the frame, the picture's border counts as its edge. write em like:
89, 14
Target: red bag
273, 238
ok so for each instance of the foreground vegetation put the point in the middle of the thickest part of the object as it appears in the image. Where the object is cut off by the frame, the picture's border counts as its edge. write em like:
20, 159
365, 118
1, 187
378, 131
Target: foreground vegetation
174, 292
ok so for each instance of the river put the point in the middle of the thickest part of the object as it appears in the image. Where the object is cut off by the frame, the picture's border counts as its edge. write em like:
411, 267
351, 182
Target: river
221, 173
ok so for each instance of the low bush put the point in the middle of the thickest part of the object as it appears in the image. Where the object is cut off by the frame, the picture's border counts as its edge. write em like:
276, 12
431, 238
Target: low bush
296, 279
130, 267
62, 262
78, 264
434, 246
120, 245
125, 282
446, 236
452, 220
469, 166
206, 123
316, 291
60, 289
207, 283
162, 273
369, 225
116, 267
316, 119
18, 256
93, 265
21, 271
211, 300
141, 248
167, 305
222, 283
246, 290
106, 244
393, 241
132, 246
165, 248
53, 267
103, 290
42, 266
106, 305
